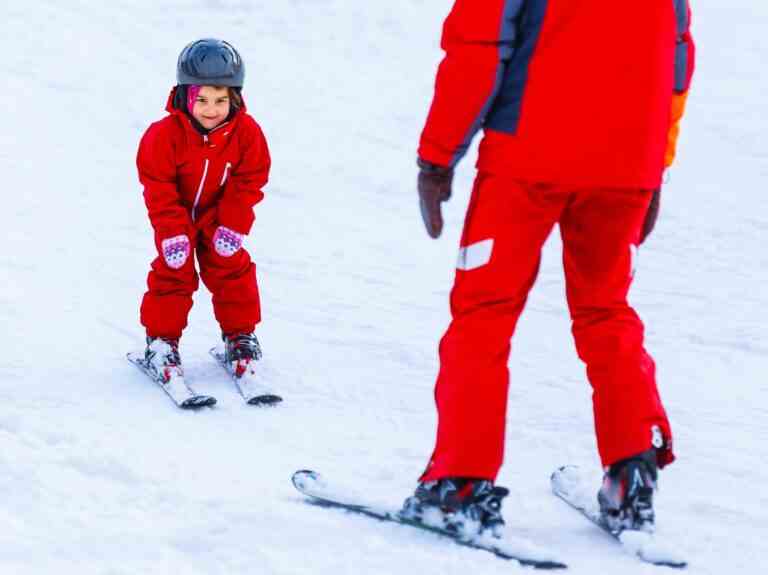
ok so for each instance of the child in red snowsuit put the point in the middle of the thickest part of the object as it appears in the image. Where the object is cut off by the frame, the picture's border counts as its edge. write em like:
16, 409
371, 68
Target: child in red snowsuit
203, 167
580, 102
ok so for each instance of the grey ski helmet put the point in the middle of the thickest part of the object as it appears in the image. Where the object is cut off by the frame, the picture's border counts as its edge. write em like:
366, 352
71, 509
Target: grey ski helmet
210, 62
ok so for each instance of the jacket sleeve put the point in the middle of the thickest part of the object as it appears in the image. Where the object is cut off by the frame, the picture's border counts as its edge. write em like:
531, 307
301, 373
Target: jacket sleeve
478, 40
157, 173
685, 56
243, 189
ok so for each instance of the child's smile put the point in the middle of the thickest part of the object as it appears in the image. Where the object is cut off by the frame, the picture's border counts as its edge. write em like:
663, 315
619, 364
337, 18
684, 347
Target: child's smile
211, 106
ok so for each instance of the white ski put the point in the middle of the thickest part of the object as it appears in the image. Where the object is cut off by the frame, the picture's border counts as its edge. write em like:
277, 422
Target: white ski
252, 384
320, 492
176, 387
569, 485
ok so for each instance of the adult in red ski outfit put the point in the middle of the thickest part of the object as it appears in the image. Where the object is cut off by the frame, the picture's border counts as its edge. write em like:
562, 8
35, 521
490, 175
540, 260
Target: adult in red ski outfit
580, 102
203, 167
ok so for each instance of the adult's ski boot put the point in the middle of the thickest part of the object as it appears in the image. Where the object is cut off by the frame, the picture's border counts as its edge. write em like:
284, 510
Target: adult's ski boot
468, 506
626, 497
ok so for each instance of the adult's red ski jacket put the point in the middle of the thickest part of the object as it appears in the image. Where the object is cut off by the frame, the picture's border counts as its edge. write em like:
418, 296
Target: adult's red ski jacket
580, 92
191, 180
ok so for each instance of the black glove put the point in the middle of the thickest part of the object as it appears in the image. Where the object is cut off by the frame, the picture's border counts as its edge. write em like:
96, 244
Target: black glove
434, 188
651, 215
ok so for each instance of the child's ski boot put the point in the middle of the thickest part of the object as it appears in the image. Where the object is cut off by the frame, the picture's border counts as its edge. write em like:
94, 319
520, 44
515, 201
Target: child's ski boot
241, 358
162, 358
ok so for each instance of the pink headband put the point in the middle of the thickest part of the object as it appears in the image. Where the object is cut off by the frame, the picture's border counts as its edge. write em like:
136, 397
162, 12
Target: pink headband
192, 91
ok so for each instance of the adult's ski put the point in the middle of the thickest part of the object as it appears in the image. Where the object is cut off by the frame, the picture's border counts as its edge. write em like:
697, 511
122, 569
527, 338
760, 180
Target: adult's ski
569, 485
176, 387
321, 493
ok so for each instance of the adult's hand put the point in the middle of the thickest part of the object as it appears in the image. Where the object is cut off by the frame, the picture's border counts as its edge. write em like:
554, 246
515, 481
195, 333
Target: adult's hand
434, 187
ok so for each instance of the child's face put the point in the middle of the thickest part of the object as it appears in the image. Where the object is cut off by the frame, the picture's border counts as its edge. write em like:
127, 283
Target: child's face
211, 106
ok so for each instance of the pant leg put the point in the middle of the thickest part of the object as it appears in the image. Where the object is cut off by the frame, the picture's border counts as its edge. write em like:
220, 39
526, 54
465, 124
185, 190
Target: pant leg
600, 231
166, 304
505, 228
232, 281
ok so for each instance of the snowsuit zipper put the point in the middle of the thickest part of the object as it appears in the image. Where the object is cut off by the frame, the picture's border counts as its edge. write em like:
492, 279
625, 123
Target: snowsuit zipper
200, 188
205, 173
226, 173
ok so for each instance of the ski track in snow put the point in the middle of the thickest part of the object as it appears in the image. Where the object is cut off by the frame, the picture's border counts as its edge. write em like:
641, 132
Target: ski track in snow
101, 474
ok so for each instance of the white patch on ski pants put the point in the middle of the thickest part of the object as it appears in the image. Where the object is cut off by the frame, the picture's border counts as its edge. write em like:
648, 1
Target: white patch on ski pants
475, 255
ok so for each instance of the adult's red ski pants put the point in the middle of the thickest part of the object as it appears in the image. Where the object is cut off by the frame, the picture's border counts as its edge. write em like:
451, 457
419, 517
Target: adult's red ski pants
506, 226
231, 280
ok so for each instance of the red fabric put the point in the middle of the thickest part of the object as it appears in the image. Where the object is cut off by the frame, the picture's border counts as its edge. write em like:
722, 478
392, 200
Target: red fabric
486, 302
465, 79
232, 162
596, 95
231, 280
172, 159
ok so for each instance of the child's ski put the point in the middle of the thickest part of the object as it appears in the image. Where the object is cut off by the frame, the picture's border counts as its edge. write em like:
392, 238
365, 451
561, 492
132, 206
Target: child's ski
253, 390
322, 494
568, 484
176, 388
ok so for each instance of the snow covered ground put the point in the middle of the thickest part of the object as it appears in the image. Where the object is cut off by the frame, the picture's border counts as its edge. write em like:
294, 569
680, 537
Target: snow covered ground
100, 474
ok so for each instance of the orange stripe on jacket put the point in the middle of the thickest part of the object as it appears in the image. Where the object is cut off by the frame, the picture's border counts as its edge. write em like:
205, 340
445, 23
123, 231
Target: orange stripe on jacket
678, 109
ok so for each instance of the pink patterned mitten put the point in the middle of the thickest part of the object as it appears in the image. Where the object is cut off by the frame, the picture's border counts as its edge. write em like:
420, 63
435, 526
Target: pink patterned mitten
226, 242
175, 251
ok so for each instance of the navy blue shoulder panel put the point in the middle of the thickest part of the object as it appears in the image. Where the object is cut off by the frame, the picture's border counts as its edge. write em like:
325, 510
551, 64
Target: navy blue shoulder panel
681, 49
681, 12
506, 44
504, 115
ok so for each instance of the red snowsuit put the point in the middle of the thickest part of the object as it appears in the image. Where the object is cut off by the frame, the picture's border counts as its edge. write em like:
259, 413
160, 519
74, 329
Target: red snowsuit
580, 102
192, 184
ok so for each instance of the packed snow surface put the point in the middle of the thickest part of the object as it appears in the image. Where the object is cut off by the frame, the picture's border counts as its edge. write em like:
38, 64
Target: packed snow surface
101, 474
